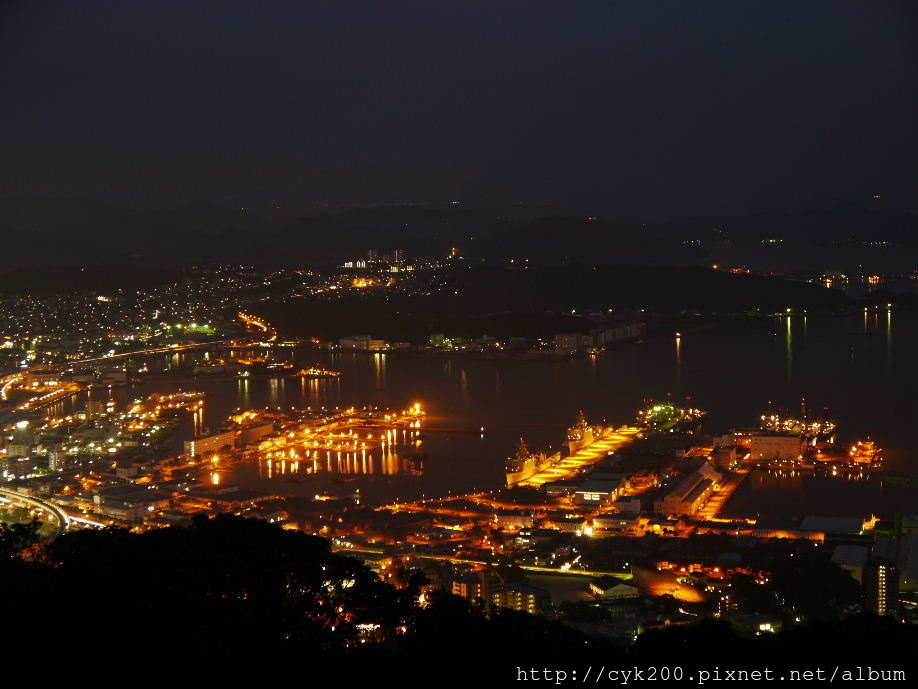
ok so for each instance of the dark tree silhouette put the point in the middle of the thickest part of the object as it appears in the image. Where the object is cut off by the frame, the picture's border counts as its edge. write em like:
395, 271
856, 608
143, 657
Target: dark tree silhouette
17, 537
814, 588
243, 588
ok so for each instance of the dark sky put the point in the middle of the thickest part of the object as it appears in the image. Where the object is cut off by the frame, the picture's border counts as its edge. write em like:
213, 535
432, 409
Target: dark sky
632, 108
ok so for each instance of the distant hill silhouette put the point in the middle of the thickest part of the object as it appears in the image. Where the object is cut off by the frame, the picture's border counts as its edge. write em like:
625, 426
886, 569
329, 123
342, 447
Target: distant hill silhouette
59, 279
538, 302
41, 231
845, 224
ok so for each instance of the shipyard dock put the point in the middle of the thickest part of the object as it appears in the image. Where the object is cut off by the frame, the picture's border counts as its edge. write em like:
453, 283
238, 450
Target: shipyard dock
567, 467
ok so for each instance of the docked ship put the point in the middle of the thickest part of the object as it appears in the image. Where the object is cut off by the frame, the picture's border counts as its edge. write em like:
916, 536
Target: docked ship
263, 365
865, 452
525, 463
582, 433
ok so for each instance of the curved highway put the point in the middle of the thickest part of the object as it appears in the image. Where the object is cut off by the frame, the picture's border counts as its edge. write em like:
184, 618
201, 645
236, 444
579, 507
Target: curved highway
63, 521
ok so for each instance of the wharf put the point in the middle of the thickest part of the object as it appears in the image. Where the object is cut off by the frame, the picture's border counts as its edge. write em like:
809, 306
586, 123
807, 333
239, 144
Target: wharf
607, 443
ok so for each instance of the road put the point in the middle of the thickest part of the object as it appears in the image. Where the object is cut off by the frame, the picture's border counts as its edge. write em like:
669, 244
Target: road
154, 350
530, 568
7, 382
63, 520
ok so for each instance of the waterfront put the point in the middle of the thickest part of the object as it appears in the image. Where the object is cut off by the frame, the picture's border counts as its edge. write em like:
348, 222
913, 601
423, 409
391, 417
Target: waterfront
859, 366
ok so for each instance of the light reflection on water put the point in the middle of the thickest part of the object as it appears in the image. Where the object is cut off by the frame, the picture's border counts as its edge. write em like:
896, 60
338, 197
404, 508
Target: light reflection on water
730, 370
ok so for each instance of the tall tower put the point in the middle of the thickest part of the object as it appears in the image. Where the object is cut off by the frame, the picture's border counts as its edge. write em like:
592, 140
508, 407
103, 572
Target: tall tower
881, 586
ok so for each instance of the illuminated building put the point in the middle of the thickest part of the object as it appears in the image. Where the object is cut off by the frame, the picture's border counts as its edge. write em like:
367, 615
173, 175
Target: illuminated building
612, 588
366, 282
209, 443
17, 450
129, 503
94, 408
575, 525
727, 455
630, 505
524, 598
559, 488
690, 493
616, 523
597, 492
355, 342
478, 587
513, 519
881, 586
57, 459
775, 446
252, 434
21, 441
42, 376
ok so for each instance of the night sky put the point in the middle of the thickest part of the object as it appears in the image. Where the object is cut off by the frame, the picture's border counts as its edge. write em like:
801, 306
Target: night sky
630, 109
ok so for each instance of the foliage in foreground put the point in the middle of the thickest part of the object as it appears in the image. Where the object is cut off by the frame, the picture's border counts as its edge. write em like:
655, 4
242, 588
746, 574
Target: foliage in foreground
236, 587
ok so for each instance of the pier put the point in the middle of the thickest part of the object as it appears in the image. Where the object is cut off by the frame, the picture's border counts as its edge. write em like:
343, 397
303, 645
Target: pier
608, 442
719, 498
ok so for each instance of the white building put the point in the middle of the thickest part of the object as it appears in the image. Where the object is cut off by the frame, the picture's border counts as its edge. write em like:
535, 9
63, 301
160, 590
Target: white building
775, 446
355, 342
513, 519
210, 443
613, 588
690, 493
598, 491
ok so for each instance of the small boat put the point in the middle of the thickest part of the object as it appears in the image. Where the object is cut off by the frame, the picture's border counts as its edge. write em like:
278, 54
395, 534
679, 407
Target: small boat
316, 372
